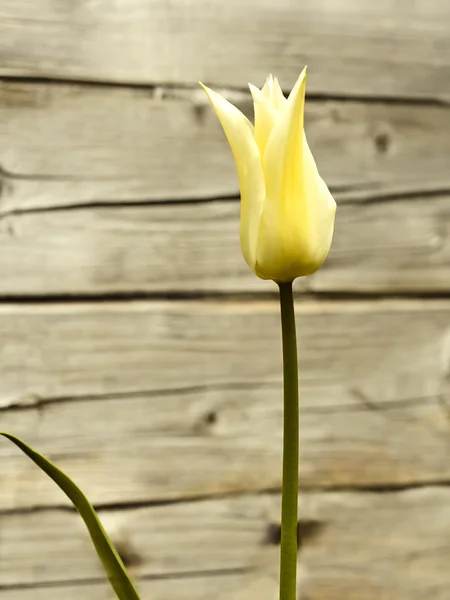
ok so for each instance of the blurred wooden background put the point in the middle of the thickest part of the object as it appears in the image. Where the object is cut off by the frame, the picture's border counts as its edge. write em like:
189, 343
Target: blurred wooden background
139, 353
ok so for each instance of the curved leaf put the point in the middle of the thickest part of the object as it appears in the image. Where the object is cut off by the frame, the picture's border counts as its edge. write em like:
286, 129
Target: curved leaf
112, 563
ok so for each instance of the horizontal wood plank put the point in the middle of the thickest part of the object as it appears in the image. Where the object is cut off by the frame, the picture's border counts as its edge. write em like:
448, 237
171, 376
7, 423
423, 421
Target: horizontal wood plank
384, 247
201, 587
128, 449
362, 546
388, 247
68, 144
382, 49
159, 381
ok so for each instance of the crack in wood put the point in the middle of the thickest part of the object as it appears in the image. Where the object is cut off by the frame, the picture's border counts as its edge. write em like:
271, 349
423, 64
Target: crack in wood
358, 194
181, 575
32, 400
167, 90
270, 536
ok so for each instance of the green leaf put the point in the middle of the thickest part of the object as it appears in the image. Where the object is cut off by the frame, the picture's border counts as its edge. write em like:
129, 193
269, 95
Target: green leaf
112, 563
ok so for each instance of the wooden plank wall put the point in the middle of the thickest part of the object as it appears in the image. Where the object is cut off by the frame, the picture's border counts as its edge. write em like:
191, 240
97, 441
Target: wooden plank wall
139, 353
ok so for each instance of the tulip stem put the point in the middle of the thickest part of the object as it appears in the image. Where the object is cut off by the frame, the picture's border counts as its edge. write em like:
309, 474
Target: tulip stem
289, 496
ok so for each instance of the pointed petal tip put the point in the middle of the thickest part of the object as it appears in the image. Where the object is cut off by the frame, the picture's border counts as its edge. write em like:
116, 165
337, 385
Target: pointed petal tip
215, 98
268, 85
300, 84
205, 88
301, 78
255, 91
303, 73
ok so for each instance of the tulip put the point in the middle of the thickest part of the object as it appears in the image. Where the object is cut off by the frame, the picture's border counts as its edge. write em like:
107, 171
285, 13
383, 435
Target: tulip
287, 211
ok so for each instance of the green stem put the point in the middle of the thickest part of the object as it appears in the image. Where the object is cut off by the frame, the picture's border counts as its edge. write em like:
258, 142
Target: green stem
289, 498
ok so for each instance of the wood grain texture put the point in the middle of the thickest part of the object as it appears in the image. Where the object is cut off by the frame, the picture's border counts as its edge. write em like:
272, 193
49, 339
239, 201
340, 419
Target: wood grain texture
63, 144
382, 247
184, 399
382, 49
200, 587
367, 546
388, 247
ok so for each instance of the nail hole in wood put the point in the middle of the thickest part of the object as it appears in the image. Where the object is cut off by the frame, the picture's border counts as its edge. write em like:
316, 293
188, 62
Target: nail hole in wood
211, 417
128, 554
382, 142
273, 534
306, 530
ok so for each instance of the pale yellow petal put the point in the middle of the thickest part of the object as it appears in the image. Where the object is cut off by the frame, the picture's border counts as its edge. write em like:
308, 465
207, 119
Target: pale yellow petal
279, 101
283, 155
285, 143
239, 132
321, 209
267, 87
265, 117
272, 91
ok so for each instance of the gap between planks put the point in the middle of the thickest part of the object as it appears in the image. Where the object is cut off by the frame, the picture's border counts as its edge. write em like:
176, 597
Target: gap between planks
175, 90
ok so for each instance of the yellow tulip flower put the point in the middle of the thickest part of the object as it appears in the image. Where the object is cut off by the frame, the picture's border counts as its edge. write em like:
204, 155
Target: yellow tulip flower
287, 211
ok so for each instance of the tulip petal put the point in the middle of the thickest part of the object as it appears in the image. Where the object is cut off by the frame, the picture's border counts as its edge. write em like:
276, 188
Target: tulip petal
240, 134
279, 100
265, 117
291, 243
284, 146
321, 211
267, 87
272, 91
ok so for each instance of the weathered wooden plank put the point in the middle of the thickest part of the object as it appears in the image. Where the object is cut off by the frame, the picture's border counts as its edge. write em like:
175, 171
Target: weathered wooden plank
385, 48
201, 587
125, 347
374, 376
128, 449
399, 246
68, 144
370, 546
385, 247
202, 536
